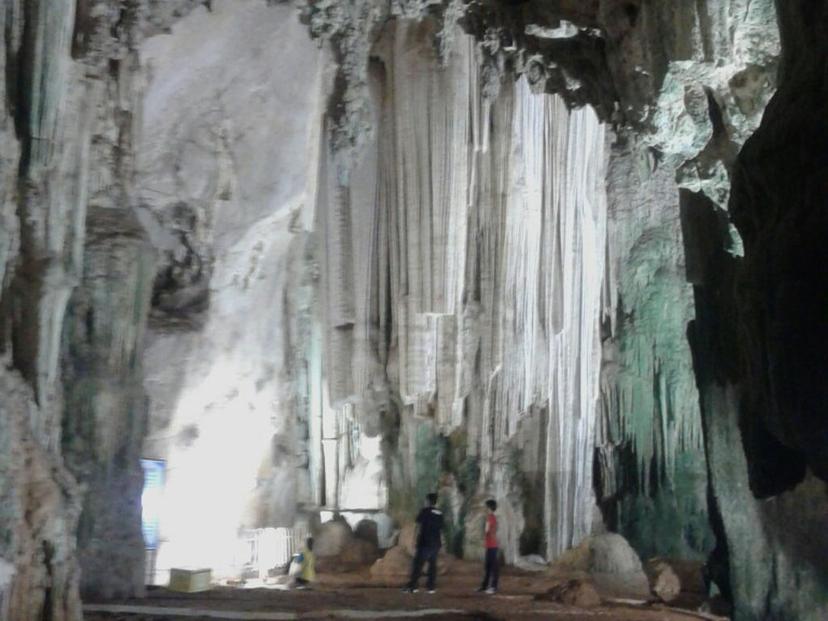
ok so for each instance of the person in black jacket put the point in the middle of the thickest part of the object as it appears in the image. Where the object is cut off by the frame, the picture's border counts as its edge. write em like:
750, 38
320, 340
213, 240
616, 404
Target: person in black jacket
429, 542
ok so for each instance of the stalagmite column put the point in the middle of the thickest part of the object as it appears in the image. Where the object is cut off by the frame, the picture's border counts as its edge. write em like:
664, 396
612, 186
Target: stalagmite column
105, 416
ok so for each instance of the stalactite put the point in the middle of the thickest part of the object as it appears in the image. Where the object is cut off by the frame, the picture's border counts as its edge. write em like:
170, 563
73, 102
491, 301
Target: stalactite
652, 479
555, 220
486, 220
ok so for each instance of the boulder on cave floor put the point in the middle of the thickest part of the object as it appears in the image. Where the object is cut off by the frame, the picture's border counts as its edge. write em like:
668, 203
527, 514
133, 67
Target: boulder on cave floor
331, 537
359, 552
575, 592
532, 562
690, 573
395, 566
664, 583
407, 539
338, 549
367, 531
671, 577
610, 561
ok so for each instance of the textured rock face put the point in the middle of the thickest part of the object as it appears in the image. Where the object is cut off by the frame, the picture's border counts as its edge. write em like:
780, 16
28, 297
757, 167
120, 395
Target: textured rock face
104, 420
66, 127
462, 293
688, 85
777, 206
54, 102
650, 416
40, 507
759, 343
651, 469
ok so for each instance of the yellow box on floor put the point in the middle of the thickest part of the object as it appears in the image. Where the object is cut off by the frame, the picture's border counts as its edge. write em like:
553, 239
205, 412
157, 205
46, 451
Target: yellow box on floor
189, 580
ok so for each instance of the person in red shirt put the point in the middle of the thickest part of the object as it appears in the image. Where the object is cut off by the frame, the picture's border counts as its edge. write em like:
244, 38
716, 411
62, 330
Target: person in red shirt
492, 570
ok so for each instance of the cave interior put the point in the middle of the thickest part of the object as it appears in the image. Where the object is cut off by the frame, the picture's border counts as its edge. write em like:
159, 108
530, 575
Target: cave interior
276, 269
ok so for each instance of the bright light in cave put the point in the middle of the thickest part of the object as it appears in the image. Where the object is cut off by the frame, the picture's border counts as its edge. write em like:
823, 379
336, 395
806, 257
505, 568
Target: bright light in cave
212, 481
151, 500
363, 485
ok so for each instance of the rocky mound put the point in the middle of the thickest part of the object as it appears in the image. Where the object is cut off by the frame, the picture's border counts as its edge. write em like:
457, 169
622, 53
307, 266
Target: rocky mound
338, 549
610, 562
575, 592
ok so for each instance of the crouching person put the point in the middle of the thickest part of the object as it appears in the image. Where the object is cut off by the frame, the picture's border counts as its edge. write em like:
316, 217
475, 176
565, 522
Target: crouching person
303, 566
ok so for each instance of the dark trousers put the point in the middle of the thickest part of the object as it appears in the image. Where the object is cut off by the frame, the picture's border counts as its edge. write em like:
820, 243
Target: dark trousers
422, 556
492, 569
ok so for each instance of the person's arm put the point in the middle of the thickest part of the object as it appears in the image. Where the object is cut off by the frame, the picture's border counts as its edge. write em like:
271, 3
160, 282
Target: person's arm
418, 524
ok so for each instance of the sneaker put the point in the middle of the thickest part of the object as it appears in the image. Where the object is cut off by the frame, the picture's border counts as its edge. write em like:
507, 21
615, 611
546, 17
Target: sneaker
432, 591
409, 590
491, 591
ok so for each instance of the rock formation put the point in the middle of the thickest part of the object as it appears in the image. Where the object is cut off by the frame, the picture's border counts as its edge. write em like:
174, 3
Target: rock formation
577, 593
442, 246
335, 255
611, 563
664, 582
105, 406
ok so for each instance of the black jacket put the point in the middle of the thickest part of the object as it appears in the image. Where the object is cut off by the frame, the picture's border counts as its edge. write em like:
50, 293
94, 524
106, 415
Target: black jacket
430, 520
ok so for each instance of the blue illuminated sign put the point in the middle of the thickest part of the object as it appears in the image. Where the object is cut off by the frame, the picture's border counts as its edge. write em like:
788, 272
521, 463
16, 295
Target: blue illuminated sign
151, 501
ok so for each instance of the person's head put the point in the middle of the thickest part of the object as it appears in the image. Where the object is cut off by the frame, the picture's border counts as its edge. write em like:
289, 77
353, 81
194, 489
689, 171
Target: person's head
431, 499
309, 543
491, 505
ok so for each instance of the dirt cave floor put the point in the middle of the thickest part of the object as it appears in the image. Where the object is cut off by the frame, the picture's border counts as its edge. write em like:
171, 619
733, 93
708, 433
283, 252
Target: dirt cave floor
355, 595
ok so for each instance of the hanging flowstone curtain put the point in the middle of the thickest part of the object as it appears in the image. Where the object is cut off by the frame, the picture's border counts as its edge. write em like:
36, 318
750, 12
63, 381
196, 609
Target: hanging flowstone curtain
465, 264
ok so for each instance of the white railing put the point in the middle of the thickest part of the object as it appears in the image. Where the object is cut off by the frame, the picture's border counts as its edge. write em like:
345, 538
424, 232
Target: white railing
263, 550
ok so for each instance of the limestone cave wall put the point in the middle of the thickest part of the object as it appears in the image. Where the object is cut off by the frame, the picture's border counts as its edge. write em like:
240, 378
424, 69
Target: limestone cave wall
72, 308
758, 341
462, 293
681, 88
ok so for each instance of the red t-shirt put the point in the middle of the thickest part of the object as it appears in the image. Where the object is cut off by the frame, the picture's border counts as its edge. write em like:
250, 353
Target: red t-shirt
491, 531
